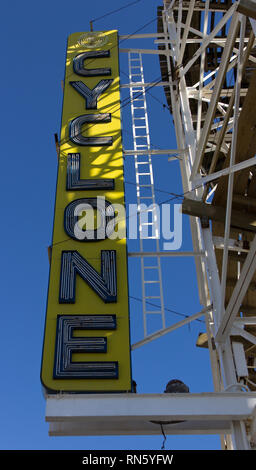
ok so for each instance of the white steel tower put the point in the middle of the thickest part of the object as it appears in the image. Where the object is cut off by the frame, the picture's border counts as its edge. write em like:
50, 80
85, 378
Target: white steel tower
212, 86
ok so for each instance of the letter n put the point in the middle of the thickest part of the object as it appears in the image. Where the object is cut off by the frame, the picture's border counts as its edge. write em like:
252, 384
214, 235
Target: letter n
104, 284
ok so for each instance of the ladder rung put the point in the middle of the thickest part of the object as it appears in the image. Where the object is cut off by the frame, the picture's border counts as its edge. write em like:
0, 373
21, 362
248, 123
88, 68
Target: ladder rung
141, 185
148, 211
151, 267
142, 163
147, 223
138, 107
154, 311
151, 238
152, 297
151, 282
146, 197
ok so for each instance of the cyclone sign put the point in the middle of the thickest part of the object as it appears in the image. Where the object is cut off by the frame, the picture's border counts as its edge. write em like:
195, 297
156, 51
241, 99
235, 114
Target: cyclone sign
86, 339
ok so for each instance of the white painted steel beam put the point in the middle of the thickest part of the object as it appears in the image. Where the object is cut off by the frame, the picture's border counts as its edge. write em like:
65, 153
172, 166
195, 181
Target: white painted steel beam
239, 331
233, 245
253, 429
132, 414
155, 152
207, 92
253, 25
212, 272
232, 162
147, 51
194, 31
137, 428
238, 294
219, 41
214, 7
123, 37
216, 94
225, 171
186, 32
239, 435
209, 37
202, 67
143, 85
245, 321
163, 254
170, 328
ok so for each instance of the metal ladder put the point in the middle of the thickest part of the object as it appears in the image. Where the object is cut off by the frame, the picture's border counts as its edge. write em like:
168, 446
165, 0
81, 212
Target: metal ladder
151, 274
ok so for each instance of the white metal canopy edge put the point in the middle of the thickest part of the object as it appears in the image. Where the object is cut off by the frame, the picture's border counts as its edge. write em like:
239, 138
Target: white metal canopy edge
136, 428
131, 414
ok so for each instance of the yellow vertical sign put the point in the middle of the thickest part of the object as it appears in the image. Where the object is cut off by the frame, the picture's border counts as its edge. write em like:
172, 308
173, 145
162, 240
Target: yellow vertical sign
86, 341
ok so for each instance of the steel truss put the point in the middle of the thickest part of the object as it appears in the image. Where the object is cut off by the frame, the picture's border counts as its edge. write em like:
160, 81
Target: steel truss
212, 60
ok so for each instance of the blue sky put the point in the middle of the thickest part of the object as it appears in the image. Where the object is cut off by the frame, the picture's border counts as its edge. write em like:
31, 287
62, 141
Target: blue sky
33, 38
